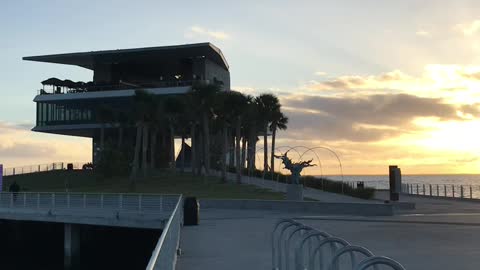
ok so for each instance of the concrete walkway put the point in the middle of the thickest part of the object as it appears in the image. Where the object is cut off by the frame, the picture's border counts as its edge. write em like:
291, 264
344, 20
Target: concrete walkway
240, 239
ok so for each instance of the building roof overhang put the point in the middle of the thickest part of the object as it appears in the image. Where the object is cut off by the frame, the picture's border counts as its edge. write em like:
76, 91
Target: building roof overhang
89, 59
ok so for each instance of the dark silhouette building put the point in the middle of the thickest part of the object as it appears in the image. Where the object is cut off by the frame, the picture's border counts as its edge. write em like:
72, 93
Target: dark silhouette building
72, 108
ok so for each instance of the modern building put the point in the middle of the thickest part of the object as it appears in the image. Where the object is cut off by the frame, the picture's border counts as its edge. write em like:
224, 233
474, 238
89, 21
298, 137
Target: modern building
72, 108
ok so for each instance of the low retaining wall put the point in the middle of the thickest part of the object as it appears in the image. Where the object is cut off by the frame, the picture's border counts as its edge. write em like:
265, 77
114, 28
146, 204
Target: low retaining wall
319, 208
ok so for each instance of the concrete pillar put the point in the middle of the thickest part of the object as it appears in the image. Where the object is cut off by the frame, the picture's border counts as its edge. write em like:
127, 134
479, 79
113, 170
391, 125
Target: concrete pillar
71, 246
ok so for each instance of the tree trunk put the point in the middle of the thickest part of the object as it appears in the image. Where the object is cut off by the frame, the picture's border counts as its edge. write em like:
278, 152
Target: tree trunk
237, 151
144, 150
272, 158
224, 153
244, 151
231, 146
120, 137
102, 140
136, 154
265, 150
172, 148
153, 145
252, 142
182, 154
193, 145
206, 144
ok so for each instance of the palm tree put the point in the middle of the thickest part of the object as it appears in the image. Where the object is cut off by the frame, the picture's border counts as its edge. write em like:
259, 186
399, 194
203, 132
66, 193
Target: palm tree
142, 112
268, 105
173, 111
279, 121
204, 96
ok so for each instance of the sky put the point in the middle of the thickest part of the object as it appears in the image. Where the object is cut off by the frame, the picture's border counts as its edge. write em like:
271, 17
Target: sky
377, 82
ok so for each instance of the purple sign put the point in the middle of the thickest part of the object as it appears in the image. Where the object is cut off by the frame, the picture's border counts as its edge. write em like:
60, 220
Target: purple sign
1, 177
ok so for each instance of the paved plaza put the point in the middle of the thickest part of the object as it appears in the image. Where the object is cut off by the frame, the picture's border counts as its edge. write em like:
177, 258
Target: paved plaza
440, 234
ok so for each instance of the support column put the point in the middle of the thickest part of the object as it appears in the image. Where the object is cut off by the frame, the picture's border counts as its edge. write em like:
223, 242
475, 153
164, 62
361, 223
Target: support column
71, 246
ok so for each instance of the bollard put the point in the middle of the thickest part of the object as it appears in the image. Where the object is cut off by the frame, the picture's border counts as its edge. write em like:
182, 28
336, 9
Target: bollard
430, 186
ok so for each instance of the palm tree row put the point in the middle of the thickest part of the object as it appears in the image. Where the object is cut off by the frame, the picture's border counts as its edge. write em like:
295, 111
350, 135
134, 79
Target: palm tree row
212, 119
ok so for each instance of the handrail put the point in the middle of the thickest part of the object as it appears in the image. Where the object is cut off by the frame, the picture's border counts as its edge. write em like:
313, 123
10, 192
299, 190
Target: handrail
379, 260
166, 231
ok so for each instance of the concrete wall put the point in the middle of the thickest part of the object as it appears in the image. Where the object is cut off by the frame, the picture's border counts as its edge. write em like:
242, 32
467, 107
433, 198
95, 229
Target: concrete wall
320, 208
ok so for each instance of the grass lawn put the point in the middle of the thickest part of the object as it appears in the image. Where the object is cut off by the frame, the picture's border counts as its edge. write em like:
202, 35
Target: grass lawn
165, 183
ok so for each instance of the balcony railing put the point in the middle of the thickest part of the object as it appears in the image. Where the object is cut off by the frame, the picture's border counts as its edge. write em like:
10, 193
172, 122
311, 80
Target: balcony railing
96, 87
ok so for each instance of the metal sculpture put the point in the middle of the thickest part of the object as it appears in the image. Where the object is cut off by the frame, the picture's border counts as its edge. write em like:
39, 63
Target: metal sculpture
294, 168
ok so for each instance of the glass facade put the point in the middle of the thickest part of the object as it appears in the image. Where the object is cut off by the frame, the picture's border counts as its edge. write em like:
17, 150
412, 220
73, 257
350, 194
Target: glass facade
62, 114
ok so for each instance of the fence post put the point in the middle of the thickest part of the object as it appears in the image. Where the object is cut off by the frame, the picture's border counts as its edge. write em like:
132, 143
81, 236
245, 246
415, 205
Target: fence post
423, 189
418, 190
38, 168
120, 201
461, 191
140, 202
453, 191
430, 187
13, 171
438, 191
471, 193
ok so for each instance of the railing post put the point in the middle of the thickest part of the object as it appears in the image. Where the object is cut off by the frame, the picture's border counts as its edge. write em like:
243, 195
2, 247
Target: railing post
453, 191
471, 193
423, 189
161, 203
438, 191
445, 190
461, 191
120, 201
430, 186
140, 202
418, 190
13, 171
38, 168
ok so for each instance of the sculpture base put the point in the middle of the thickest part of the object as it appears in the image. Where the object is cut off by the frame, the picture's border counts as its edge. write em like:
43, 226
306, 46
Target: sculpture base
295, 192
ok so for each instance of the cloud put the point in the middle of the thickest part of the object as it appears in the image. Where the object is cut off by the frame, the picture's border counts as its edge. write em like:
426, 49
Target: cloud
19, 146
422, 33
468, 29
369, 118
384, 80
198, 31
320, 73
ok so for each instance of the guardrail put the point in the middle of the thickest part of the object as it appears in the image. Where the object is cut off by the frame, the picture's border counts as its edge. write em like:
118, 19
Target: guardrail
92, 202
439, 190
164, 255
41, 168
300, 247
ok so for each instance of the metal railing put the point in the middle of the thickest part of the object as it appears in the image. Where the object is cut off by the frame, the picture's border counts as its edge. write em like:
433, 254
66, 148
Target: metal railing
442, 190
164, 256
90, 202
300, 247
41, 168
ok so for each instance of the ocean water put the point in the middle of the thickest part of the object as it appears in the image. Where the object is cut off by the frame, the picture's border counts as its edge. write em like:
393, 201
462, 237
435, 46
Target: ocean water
451, 183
